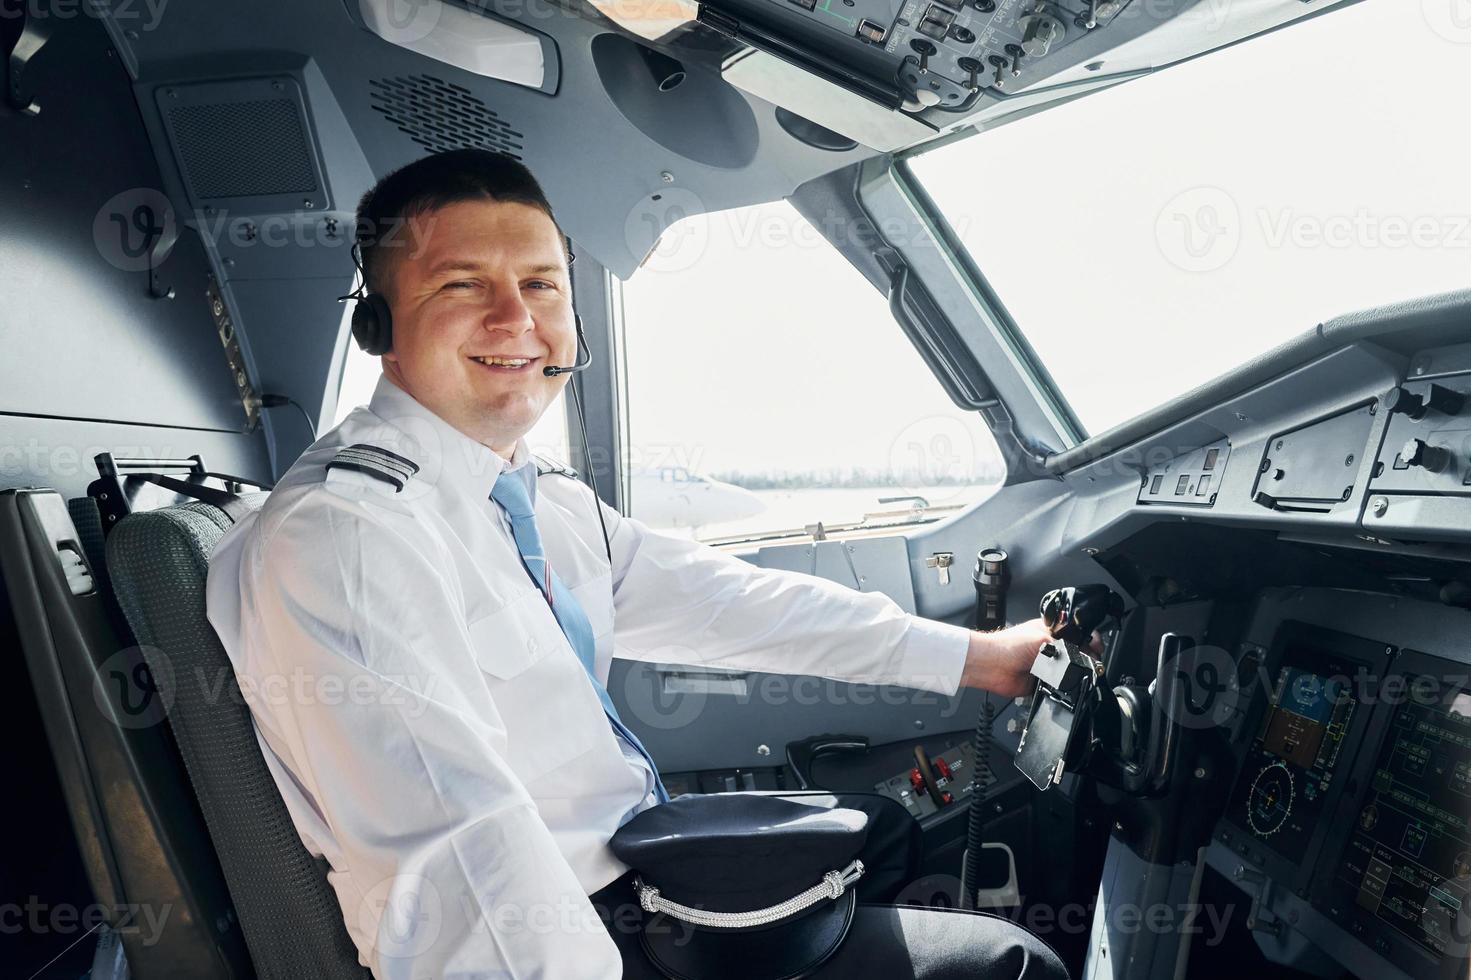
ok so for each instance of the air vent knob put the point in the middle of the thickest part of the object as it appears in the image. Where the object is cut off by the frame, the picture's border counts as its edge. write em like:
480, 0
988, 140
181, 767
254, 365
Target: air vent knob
1438, 399
1418, 452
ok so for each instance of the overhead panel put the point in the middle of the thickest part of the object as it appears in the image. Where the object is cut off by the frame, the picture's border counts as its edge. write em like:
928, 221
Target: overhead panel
914, 54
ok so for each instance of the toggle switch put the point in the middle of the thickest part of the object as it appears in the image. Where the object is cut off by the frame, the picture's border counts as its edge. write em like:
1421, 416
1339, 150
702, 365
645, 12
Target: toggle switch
972, 69
1016, 59
941, 562
925, 50
999, 63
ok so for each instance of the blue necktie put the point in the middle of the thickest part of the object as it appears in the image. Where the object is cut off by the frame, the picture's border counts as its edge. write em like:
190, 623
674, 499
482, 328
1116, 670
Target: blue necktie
511, 493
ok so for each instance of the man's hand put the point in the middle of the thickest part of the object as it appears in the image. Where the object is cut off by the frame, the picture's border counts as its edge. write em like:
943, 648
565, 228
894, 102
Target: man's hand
1001, 662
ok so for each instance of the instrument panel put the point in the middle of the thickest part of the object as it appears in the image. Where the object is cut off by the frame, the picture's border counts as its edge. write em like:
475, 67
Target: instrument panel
1317, 710
1353, 801
1402, 879
926, 52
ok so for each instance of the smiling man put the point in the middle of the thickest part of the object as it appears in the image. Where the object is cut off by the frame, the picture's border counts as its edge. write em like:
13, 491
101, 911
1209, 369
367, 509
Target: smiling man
473, 264
464, 770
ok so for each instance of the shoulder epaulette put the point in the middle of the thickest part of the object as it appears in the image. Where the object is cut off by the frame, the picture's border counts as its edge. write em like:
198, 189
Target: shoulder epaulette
376, 462
550, 467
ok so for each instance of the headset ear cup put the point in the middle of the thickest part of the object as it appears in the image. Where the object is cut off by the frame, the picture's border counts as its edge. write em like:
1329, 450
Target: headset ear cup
372, 324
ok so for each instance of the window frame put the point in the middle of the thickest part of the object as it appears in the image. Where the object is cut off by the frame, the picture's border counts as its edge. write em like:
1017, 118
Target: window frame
1044, 387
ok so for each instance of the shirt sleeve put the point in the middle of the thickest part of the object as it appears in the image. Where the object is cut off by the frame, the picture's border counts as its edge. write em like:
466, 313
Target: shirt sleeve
353, 652
679, 601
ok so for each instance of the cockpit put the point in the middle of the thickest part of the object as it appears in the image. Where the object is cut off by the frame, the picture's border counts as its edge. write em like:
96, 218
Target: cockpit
1149, 318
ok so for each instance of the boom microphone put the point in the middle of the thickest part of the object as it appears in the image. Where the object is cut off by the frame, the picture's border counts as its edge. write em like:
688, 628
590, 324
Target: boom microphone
584, 356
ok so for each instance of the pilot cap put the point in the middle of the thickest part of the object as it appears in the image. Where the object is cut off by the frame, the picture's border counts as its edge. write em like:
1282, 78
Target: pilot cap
761, 887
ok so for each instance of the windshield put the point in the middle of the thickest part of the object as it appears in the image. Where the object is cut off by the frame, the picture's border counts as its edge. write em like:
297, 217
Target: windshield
769, 391
1153, 236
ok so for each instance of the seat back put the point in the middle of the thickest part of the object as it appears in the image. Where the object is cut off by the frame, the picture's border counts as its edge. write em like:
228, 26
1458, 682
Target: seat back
289, 914
142, 838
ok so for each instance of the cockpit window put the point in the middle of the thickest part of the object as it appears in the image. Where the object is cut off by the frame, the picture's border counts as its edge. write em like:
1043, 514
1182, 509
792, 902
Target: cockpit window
769, 390
1155, 235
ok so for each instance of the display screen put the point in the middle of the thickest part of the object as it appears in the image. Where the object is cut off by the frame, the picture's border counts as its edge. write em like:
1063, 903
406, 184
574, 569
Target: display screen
1292, 764
1408, 863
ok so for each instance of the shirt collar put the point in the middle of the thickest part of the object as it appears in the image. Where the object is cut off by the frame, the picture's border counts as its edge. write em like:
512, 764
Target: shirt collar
445, 455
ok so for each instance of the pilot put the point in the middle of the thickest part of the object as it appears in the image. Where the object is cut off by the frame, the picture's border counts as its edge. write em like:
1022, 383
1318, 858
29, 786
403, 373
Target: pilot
422, 616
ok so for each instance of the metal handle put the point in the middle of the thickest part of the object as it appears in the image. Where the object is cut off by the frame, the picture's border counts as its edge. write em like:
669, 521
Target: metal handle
110, 465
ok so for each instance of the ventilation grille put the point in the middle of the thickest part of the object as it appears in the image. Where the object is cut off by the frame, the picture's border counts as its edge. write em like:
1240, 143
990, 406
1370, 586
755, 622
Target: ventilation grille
243, 149
440, 115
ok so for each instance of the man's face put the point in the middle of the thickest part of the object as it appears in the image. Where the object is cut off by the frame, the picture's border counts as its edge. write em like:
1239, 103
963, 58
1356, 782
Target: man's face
482, 302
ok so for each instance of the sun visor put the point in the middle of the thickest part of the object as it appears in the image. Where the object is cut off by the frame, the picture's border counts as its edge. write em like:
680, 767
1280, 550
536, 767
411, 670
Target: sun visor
817, 100
471, 41
652, 20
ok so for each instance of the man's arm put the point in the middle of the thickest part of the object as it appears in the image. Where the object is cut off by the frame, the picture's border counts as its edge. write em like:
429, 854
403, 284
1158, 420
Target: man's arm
679, 601
354, 654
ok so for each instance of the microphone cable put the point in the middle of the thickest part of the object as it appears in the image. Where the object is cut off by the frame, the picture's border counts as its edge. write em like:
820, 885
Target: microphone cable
592, 476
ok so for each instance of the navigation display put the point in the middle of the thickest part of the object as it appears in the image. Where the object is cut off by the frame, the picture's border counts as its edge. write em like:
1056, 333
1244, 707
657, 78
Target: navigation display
1314, 706
1408, 862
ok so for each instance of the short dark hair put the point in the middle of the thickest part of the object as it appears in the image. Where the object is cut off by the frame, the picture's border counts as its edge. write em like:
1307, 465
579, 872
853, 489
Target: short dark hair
428, 184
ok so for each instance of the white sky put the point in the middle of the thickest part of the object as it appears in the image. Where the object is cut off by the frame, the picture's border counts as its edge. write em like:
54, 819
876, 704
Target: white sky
1317, 154
754, 346
1146, 239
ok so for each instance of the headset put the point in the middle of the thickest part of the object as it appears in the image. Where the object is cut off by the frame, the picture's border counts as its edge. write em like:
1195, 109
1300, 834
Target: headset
372, 318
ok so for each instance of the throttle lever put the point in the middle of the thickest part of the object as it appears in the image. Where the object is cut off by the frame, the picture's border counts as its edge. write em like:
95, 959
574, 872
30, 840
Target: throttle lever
1058, 733
1073, 614
1138, 740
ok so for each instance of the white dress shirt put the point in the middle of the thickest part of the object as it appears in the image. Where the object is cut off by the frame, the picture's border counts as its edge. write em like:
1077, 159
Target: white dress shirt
430, 728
